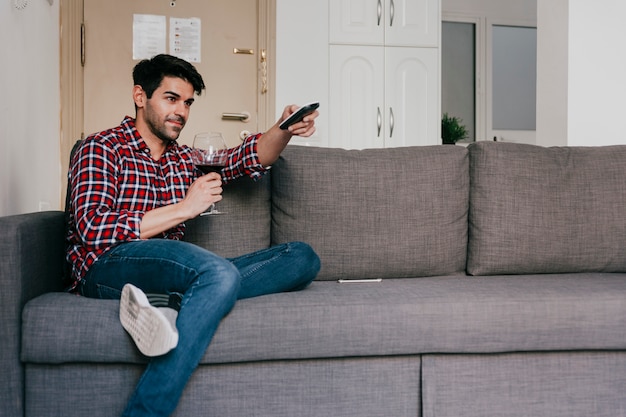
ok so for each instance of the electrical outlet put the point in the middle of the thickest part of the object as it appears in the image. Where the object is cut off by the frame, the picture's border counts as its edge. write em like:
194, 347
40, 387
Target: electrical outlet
44, 205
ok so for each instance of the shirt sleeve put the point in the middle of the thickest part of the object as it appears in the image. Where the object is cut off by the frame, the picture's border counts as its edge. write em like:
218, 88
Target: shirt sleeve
93, 180
243, 160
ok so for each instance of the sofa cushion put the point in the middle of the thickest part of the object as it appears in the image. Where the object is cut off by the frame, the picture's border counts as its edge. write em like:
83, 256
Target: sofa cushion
546, 210
397, 212
245, 225
395, 317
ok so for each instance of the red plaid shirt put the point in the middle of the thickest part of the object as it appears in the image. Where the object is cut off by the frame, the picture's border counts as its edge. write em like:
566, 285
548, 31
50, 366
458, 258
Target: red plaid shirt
114, 181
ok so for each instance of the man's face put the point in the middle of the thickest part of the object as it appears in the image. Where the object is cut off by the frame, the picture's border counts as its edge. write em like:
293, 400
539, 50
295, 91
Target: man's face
167, 111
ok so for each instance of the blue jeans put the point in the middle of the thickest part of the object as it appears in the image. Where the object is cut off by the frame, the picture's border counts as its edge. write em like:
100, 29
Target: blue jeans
210, 286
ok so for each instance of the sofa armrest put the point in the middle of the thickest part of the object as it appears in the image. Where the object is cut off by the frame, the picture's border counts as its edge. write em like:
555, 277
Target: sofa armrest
31, 263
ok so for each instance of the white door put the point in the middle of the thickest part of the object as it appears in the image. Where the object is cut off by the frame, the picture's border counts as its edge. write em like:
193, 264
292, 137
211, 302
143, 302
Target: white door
383, 96
384, 22
412, 23
411, 96
356, 105
357, 22
230, 78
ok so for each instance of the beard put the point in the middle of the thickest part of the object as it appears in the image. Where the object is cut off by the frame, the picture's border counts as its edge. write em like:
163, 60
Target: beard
161, 129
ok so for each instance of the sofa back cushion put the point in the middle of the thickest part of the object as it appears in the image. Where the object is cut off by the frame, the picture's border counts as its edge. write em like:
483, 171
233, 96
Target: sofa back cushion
245, 225
546, 210
376, 213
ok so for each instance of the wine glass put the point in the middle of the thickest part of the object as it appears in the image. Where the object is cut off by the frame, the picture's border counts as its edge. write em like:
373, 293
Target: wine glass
209, 154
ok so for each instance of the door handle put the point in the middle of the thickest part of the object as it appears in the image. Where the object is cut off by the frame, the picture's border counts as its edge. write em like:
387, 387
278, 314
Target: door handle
242, 117
391, 122
392, 12
380, 11
263, 71
379, 122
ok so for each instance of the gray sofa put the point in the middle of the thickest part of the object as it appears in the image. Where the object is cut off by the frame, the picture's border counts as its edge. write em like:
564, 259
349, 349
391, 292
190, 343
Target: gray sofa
503, 293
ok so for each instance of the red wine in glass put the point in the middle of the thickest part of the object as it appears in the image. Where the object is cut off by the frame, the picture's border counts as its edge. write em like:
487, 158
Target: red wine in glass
210, 154
205, 168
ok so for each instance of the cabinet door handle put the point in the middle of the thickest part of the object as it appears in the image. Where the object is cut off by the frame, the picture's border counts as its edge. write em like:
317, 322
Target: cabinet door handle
391, 122
392, 12
379, 122
380, 11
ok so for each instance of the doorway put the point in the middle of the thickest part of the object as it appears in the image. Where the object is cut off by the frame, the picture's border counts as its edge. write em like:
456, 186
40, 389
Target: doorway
236, 61
489, 76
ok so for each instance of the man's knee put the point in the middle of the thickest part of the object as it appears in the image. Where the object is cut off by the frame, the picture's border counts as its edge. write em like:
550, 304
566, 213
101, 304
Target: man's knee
306, 252
223, 278
308, 259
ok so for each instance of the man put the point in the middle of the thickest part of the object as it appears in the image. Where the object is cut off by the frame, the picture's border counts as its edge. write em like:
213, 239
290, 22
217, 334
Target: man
132, 188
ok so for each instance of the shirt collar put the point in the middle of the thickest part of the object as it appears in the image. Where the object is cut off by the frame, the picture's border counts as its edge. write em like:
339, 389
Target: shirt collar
134, 139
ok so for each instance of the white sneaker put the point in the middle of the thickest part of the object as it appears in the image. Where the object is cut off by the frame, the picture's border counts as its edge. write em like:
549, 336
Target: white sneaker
151, 330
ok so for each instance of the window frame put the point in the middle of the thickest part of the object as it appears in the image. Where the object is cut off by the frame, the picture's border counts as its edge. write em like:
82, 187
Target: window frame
479, 70
484, 75
519, 136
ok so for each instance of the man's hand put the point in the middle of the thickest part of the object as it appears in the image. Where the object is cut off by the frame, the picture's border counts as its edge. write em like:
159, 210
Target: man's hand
204, 191
305, 128
275, 139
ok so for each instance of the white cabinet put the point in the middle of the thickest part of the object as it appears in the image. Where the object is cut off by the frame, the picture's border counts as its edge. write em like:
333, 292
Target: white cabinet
412, 97
383, 97
384, 22
378, 83
356, 96
384, 73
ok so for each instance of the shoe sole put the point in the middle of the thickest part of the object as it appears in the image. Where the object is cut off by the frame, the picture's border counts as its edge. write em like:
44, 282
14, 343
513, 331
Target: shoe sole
149, 328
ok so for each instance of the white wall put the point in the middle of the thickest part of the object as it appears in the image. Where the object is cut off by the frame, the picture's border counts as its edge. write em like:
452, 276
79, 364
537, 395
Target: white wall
597, 72
29, 109
552, 72
302, 60
581, 72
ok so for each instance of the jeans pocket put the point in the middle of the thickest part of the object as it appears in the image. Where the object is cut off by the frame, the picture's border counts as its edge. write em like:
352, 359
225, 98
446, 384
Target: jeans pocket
108, 293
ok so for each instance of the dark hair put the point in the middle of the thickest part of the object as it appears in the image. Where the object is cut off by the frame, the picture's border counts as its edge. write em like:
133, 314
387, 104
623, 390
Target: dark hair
149, 73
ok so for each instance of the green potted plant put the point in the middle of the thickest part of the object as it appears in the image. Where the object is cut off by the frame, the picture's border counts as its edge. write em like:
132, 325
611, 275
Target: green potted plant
452, 130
